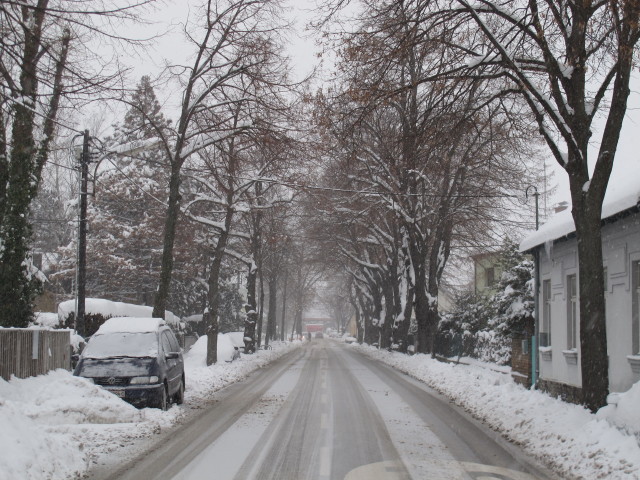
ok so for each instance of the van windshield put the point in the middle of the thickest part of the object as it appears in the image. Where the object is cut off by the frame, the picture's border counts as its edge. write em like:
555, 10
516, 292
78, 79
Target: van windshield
122, 344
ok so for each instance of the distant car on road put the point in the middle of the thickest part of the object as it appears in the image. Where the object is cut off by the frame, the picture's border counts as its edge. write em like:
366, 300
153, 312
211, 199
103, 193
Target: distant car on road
319, 335
137, 359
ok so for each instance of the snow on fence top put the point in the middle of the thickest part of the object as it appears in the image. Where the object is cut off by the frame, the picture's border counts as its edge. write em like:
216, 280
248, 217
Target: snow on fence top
108, 308
617, 199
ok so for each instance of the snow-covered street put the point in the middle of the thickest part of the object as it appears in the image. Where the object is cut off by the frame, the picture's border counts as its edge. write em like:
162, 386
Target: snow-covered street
319, 240
57, 426
328, 412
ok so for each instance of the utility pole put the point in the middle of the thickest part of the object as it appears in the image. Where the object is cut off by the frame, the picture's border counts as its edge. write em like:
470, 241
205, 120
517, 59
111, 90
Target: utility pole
130, 148
82, 236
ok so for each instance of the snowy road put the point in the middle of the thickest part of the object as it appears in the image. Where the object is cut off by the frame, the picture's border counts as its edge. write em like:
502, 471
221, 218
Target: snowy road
327, 412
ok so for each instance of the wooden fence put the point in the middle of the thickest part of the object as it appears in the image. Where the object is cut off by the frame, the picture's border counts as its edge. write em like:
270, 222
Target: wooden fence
26, 352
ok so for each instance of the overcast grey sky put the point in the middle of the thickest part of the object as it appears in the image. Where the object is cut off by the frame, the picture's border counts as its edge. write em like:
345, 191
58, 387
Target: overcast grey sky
303, 52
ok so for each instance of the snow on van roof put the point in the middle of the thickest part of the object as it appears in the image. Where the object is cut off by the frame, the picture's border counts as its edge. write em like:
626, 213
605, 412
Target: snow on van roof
619, 197
130, 325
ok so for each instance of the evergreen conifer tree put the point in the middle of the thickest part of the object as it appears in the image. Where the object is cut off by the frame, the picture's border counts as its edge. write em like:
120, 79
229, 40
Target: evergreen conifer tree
125, 217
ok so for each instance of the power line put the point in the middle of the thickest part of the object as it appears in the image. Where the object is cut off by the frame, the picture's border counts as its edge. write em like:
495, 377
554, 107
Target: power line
362, 192
327, 189
75, 169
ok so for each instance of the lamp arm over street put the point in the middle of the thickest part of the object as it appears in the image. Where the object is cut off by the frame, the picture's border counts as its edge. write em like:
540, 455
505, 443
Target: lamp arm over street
126, 149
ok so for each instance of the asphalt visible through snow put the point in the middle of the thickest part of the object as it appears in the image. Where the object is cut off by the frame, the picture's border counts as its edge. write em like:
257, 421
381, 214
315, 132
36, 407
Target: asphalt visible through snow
327, 412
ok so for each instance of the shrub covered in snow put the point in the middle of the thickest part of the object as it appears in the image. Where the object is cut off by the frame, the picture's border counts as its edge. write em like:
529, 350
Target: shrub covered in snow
482, 327
513, 301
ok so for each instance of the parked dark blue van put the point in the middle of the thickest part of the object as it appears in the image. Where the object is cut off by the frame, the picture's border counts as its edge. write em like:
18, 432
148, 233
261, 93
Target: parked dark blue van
137, 359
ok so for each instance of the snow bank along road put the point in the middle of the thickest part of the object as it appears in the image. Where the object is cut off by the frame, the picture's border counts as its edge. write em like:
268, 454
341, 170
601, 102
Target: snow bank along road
327, 412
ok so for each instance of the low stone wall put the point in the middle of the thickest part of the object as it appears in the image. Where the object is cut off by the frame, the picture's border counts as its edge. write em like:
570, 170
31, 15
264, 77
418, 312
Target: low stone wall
567, 393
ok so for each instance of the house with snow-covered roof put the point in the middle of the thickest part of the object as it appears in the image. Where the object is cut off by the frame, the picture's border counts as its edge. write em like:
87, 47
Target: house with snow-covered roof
559, 306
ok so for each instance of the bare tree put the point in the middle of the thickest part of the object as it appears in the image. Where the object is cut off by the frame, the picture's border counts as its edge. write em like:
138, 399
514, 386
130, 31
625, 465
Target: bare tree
232, 200
570, 62
425, 163
231, 38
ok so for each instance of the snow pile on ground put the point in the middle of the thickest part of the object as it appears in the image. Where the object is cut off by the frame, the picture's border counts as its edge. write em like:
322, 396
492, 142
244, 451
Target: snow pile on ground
31, 409
54, 426
568, 438
30, 452
625, 413
197, 355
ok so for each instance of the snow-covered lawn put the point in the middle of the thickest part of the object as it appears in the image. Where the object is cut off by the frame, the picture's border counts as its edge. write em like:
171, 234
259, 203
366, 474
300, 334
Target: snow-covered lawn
55, 426
568, 438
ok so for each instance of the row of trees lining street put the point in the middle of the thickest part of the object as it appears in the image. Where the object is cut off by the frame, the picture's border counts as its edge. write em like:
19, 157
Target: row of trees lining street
438, 117
555, 65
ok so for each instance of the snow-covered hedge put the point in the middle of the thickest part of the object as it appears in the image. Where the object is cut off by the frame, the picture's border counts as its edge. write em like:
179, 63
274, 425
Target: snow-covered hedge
98, 310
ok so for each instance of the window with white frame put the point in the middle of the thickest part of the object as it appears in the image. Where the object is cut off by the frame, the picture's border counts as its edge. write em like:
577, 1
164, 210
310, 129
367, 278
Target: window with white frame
572, 312
545, 328
635, 306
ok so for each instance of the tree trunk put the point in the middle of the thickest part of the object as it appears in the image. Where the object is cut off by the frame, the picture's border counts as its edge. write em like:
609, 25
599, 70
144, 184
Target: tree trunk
437, 261
401, 328
298, 322
421, 301
359, 326
284, 303
271, 314
213, 299
250, 309
593, 326
171, 222
422, 309
261, 310
386, 332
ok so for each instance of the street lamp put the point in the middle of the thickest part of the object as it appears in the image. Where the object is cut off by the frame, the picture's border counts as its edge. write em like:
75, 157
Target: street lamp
536, 284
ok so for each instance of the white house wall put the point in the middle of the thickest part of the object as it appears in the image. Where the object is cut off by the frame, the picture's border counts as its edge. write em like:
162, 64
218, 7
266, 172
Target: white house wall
621, 247
563, 262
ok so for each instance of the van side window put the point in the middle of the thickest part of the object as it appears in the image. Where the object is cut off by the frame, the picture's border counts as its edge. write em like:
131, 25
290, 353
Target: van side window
166, 345
173, 341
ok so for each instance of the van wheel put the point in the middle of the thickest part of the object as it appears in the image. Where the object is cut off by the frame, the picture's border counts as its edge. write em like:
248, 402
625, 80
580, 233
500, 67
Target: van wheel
164, 400
180, 394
